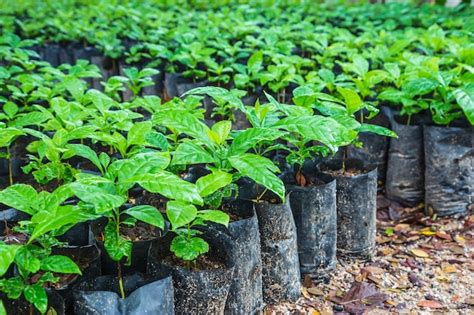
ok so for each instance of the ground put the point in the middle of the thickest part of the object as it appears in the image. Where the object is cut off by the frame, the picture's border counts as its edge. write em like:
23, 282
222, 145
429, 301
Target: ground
422, 265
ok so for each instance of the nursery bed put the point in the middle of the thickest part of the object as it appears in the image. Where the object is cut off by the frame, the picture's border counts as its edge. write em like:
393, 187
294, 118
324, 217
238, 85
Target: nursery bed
424, 266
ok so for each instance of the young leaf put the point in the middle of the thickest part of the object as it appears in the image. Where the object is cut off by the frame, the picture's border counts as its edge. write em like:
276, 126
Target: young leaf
180, 213
147, 214
59, 264
36, 295
215, 216
382, 131
137, 134
190, 152
465, 99
87, 153
210, 183
222, 129
25, 260
169, 185
352, 100
261, 170
116, 246
249, 138
7, 256
20, 197
188, 248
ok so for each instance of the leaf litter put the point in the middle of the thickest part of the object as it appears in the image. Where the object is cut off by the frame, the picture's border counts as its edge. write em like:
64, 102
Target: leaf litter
422, 265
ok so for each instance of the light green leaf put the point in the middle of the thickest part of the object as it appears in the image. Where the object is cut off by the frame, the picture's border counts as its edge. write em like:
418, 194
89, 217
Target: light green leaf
87, 153
180, 213
188, 248
147, 214
137, 134
352, 100
36, 295
249, 138
382, 131
169, 185
60, 264
210, 183
190, 152
222, 129
215, 216
7, 256
465, 99
261, 170
20, 197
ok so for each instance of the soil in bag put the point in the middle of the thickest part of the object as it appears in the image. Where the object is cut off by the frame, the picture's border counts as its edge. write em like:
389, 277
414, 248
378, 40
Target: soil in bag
314, 210
405, 167
278, 240
141, 235
201, 286
23, 307
449, 173
356, 195
143, 295
243, 236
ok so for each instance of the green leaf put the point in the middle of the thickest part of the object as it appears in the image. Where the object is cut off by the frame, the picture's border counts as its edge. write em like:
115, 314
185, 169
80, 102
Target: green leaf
210, 183
87, 153
222, 129
36, 295
361, 65
20, 197
147, 214
98, 197
116, 246
25, 260
382, 131
30, 119
3, 311
169, 185
375, 77
7, 135
180, 213
60, 264
137, 134
465, 99
249, 138
188, 248
419, 86
215, 216
54, 219
352, 100
190, 152
323, 129
7, 256
183, 122
10, 108
261, 170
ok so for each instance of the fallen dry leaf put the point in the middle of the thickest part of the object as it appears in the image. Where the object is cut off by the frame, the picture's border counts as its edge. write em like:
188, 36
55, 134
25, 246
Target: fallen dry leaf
361, 297
429, 304
315, 291
450, 269
419, 253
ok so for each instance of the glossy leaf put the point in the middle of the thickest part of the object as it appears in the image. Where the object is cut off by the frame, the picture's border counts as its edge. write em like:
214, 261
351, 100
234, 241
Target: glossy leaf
188, 248
210, 183
20, 197
60, 264
261, 170
7, 256
147, 214
180, 213
36, 295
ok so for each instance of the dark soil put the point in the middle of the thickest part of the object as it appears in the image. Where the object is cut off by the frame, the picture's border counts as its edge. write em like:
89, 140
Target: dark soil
346, 172
151, 199
203, 262
140, 232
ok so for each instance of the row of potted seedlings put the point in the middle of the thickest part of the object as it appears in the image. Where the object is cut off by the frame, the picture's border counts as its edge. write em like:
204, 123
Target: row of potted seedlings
108, 188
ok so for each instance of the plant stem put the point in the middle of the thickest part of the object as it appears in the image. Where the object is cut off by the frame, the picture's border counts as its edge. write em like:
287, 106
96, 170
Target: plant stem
409, 120
10, 166
119, 273
119, 267
344, 157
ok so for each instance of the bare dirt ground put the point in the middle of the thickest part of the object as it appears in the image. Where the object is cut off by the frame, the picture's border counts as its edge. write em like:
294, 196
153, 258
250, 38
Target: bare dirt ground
422, 265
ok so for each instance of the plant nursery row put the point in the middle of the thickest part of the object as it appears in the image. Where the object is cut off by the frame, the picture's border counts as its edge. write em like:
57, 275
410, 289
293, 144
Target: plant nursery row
161, 157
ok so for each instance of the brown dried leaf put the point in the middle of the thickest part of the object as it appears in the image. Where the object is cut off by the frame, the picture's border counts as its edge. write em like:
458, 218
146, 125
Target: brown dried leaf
419, 253
361, 297
315, 291
429, 304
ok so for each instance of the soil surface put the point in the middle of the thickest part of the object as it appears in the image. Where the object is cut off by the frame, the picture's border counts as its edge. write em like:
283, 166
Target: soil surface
203, 262
422, 265
140, 232
347, 172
